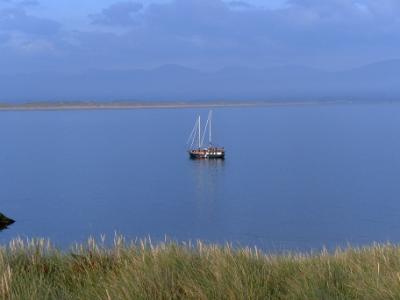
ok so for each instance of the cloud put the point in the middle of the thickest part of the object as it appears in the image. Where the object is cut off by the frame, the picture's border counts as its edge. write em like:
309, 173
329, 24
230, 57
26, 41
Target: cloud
239, 4
28, 43
16, 19
301, 32
212, 34
20, 3
119, 14
29, 3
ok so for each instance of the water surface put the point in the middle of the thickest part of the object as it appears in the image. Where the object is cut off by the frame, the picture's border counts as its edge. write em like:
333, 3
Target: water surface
294, 177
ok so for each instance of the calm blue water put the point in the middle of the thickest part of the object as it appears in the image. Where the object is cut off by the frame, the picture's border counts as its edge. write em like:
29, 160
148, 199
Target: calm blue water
294, 177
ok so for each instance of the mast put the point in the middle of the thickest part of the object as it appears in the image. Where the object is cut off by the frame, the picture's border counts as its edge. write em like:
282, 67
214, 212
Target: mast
199, 132
210, 129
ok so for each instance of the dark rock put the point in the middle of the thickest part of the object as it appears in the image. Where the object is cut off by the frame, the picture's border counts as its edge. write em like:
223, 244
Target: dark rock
5, 221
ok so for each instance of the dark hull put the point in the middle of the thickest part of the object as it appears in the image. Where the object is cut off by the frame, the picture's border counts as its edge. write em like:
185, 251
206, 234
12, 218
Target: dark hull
207, 154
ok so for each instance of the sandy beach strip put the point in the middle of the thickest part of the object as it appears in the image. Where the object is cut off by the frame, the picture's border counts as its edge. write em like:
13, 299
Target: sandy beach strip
152, 105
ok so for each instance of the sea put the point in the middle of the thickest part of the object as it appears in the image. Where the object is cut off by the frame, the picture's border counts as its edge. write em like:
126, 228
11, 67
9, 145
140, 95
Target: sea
295, 178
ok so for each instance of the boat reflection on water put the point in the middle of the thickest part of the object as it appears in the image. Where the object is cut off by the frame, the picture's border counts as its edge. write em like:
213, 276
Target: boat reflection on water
209, 188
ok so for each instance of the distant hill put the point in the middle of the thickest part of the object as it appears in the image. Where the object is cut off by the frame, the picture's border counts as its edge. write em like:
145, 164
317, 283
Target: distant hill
172, 82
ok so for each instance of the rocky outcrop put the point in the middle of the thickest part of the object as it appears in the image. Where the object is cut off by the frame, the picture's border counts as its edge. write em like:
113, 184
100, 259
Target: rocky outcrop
5, 221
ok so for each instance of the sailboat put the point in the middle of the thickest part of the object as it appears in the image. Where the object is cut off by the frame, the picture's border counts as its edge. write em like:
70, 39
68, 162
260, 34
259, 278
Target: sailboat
196, 140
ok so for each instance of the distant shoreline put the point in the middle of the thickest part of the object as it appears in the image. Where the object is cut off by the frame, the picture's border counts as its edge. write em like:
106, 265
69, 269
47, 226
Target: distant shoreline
48, 106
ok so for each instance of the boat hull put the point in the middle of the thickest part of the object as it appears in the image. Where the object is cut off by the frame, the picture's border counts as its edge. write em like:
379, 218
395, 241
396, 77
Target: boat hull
210, 153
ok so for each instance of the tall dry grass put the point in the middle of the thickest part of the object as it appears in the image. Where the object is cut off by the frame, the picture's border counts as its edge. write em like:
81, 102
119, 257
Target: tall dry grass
36, 270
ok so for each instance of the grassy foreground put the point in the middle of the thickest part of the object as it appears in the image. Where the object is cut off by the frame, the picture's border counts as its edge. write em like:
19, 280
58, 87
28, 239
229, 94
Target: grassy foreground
35, 270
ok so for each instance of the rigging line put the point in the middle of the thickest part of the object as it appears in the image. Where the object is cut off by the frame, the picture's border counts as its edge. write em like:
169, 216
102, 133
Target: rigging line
210, 129
190, 137
205, 128
194, 136
204, 133
192, 133
200, 132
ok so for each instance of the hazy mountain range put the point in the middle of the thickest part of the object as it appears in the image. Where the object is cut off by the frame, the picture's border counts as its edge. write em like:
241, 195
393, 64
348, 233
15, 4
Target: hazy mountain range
172, 82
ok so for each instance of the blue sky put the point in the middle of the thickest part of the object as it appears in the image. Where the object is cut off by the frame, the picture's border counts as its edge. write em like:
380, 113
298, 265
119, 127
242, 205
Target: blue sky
74, 36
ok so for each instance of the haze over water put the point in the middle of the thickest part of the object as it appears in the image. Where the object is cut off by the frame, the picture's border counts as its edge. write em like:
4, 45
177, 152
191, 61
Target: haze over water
293, 178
